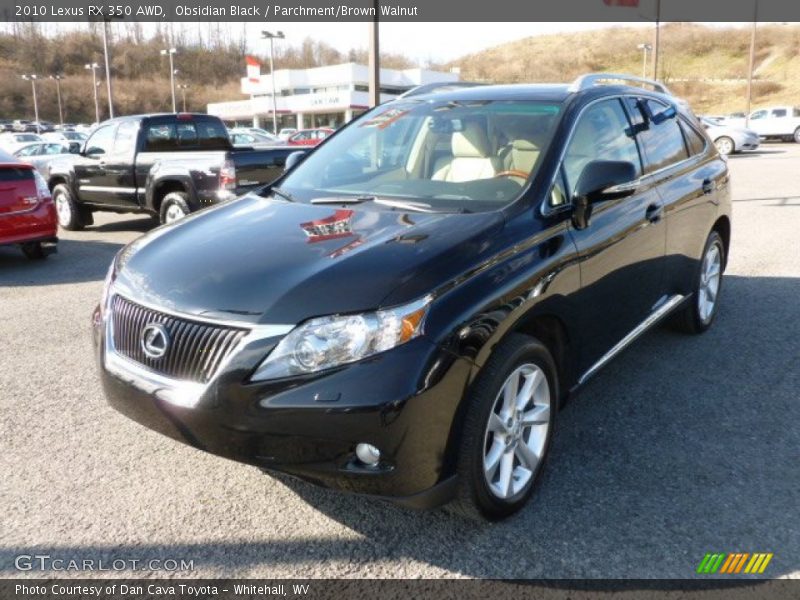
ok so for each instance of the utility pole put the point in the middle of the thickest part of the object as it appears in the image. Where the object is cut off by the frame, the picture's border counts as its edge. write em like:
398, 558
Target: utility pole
645, 48
657, 40
58, 79
94, 66
108, 71
171, 52
751, 65
32, 78
374, 59
268, 35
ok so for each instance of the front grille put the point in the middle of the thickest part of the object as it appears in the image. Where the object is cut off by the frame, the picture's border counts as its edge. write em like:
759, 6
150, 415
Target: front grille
195, 349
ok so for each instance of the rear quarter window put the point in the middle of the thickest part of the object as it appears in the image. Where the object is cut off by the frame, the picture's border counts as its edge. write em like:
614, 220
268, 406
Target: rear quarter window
185, 135
695, 141
659, 133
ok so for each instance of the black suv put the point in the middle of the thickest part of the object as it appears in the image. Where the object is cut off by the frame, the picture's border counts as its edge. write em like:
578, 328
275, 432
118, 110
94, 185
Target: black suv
402, 313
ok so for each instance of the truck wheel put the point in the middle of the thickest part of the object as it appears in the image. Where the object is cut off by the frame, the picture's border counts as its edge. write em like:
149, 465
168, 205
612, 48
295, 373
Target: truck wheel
174, 206
797, 135
507, 429
34, 250
70, 215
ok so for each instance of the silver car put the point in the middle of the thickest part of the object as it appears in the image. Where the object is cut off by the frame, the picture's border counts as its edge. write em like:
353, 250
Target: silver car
730, 139
40, 154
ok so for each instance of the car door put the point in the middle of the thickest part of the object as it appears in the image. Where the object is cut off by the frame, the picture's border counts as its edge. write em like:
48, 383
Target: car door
621, 248
119, 177
758, 122
92, 181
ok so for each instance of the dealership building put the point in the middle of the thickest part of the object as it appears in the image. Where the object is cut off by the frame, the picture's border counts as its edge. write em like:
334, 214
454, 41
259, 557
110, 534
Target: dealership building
319, 97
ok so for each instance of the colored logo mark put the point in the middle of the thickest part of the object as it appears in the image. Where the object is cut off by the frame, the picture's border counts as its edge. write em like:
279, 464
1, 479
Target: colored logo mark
735, 562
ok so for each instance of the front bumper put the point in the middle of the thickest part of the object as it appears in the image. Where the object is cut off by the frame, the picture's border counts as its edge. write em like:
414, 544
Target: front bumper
405, 402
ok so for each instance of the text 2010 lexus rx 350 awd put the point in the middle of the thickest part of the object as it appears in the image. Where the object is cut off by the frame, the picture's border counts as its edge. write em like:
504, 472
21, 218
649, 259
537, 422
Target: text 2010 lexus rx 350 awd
402, 313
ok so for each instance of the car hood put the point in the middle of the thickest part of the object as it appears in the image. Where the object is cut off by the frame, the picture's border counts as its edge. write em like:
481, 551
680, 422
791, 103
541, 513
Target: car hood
260, 260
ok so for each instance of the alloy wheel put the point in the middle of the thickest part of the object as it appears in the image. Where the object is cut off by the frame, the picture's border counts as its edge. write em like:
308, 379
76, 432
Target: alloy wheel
63, 209
174, 213
710, 277
724, 146
517, 432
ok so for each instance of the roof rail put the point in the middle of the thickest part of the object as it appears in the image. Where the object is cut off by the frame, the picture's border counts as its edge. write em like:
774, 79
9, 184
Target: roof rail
584, 82
441, 86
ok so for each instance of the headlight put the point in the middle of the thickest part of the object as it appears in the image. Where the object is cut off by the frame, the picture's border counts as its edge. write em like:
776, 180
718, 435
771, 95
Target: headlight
327, 342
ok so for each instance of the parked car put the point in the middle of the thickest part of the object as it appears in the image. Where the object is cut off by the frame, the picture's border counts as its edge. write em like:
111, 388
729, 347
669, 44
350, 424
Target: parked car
24, 126
777, 122
27, 212
286, 133
403, 312
6, 125
166, 165
729, 139
309, 137
248, 139
10, 142
74, 139
41, 154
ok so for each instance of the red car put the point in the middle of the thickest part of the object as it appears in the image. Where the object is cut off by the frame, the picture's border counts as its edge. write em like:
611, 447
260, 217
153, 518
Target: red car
27, 212
309, 137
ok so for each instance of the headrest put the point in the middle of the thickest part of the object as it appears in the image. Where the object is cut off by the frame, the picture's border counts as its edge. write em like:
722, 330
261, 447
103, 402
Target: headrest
471, 142
524, 146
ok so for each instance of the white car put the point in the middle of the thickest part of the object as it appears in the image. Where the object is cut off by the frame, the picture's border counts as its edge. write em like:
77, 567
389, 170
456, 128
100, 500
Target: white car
730, 139
777, 122
74, 139
11, 142
287, 132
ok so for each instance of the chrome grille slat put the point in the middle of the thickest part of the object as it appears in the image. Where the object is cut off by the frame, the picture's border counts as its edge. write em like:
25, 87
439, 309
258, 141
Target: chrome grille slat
196, 349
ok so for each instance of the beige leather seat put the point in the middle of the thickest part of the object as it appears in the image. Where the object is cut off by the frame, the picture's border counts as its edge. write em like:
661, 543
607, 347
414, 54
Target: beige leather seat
520, 155
471, 157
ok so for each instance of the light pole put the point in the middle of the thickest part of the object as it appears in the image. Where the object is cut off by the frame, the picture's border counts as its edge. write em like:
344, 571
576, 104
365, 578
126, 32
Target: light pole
171, 52
268, 35
183, 87
751, 65
32, 78
108, 71
645, 48
58, 79
94, 66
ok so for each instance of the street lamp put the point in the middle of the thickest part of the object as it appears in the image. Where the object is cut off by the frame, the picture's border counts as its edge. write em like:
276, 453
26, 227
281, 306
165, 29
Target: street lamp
171, 52
58, 79
32, 78
268, 35
183, 87
94, 66
645, 48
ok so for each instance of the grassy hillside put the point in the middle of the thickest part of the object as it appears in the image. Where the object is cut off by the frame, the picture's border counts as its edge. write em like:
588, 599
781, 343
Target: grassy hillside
689, 54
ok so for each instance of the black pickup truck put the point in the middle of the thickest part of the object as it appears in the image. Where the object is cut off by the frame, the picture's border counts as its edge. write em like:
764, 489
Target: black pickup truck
167, 165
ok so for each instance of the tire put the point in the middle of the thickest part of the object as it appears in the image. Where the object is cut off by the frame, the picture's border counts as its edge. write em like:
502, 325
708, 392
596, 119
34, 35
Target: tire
487, 439
796, 136
70, 216
174, 206
725, 145
34, 250
695, 317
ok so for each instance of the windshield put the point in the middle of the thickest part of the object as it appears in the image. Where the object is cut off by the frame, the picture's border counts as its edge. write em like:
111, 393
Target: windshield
446, 155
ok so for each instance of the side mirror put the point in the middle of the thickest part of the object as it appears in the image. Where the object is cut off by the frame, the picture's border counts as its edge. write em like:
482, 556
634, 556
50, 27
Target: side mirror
599, 181
294, 159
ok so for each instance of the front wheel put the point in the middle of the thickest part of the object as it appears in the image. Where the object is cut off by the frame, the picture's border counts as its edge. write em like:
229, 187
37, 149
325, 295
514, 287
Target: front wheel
725, 145
507, 429
797, 135
70, 216
698, 314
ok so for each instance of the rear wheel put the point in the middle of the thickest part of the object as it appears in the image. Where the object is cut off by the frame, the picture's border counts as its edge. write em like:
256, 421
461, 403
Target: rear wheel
725, 145
797, 135
698, 314
174, 206
507, 429
34, 250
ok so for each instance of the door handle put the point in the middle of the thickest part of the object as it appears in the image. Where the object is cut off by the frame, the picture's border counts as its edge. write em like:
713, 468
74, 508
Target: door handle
654, 212
708, 186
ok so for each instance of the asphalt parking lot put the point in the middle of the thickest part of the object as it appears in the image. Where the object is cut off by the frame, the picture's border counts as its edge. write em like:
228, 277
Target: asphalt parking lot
681, 446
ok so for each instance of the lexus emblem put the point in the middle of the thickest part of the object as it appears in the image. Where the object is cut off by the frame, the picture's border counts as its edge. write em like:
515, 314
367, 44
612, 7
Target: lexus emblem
154, 340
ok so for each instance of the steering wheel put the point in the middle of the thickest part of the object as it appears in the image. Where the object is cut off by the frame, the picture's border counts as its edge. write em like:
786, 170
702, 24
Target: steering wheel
512, 173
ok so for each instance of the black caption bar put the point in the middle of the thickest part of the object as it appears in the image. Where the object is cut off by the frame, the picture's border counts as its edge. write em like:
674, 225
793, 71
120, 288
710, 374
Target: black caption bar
439, 589
401, 10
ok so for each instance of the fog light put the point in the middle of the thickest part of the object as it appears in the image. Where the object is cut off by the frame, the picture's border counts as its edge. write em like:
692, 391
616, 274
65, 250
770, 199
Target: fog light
368, 454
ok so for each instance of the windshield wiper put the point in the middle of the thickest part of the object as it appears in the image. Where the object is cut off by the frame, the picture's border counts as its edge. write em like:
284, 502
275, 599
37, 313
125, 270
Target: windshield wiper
342, 199
285, 195
406, 205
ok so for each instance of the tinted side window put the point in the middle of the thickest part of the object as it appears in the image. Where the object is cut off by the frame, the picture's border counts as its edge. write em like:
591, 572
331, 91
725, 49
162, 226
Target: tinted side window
101, 141
603, 133
779, 113
659, 134
186, 135
694, 140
